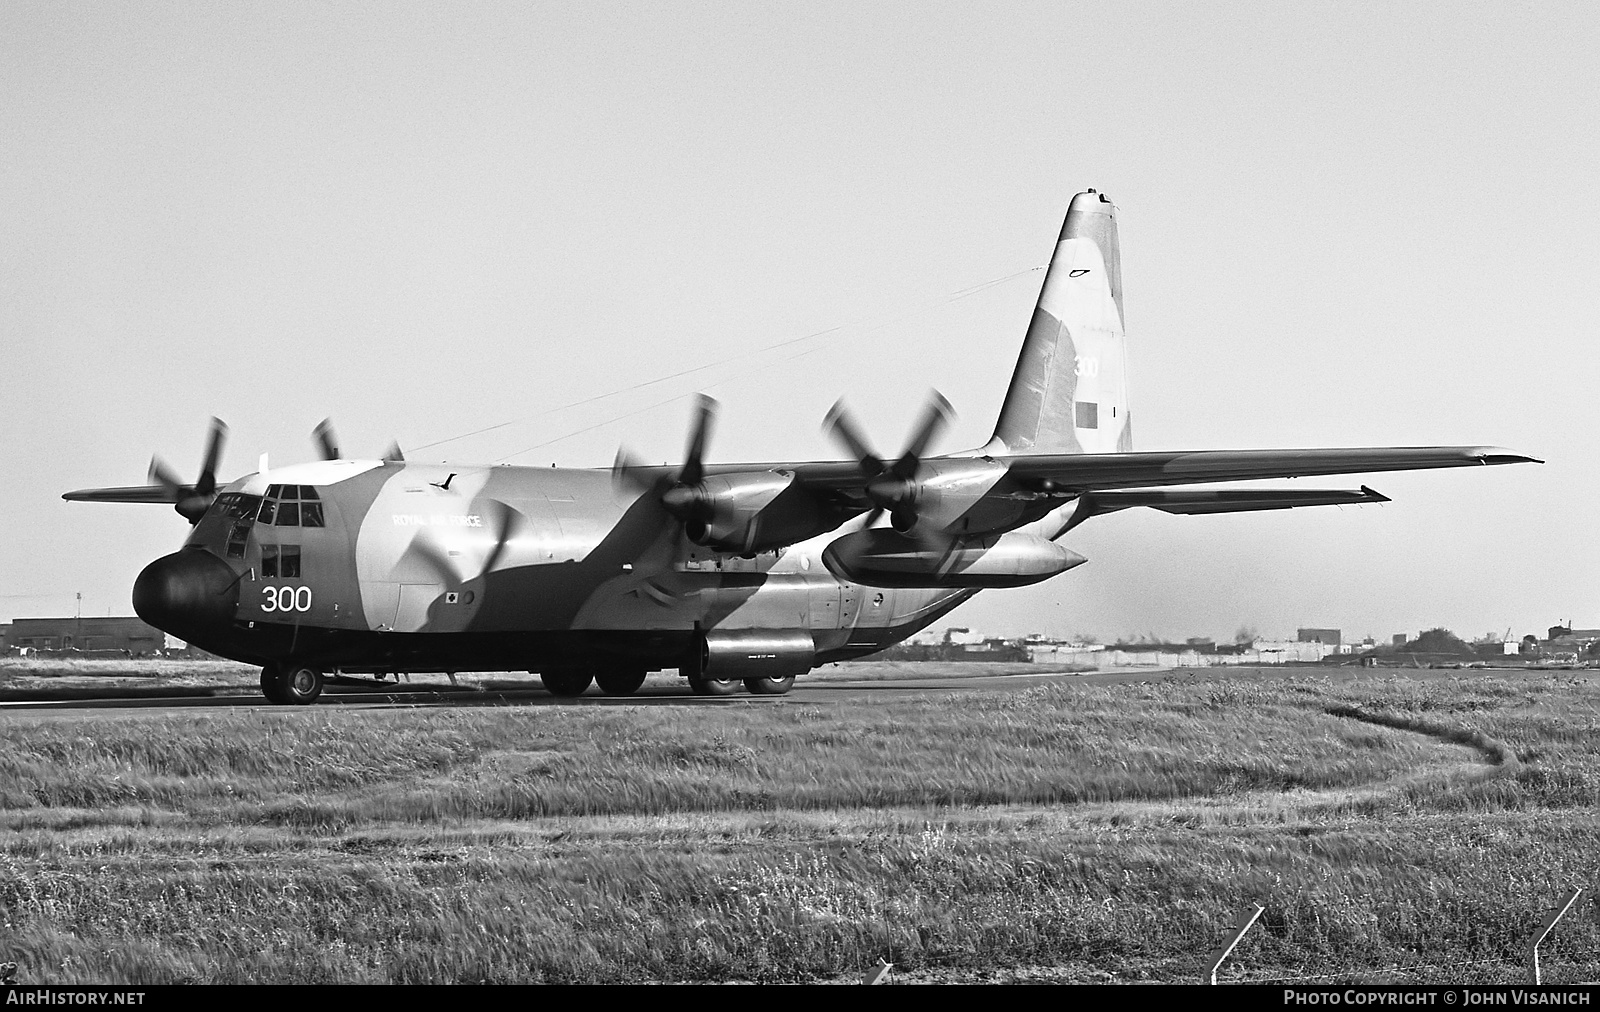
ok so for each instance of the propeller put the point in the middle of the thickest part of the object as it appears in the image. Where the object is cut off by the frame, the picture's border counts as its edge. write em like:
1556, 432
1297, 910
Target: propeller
328, 443
680, 498
892, 487
192, 501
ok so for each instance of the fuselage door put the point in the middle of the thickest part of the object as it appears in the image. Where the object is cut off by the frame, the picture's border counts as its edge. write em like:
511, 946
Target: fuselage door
825, 605
849, 605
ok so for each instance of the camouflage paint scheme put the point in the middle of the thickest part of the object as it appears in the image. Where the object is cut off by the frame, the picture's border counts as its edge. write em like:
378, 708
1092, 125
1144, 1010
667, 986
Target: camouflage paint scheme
407, 573
453, 567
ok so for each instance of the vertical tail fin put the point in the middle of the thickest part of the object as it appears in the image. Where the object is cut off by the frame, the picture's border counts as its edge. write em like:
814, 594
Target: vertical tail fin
1069, 393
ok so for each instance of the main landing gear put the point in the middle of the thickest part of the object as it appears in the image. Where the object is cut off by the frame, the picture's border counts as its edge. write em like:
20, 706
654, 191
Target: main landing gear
620, 681
294, 684
566, 682
570, 682
728, 686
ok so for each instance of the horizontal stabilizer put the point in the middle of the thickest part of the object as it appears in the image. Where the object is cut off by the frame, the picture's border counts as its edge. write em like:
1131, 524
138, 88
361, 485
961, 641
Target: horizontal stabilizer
1195, 501
132, 493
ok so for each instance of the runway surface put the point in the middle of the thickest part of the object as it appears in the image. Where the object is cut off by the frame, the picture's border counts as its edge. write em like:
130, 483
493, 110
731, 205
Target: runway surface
831, 685
663, 694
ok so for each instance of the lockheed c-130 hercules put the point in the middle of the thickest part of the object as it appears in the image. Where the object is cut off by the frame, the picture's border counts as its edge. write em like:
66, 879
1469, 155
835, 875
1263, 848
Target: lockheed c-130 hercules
730, 573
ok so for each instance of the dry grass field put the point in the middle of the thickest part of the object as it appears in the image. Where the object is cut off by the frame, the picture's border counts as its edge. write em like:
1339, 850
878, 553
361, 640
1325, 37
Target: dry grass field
1068, 831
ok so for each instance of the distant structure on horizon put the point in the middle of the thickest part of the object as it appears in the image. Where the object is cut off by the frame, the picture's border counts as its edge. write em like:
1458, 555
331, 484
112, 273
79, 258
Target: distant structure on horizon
1331, 637
127, 636
959, 644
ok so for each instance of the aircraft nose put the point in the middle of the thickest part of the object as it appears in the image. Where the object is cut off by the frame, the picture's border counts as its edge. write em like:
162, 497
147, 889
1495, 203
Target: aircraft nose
192, 595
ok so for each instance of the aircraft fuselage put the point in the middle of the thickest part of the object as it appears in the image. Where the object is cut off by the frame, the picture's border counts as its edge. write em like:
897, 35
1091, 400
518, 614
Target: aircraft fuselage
394, 566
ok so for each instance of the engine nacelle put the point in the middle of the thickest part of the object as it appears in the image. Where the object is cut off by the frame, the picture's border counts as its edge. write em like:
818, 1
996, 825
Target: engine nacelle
729, 654
956, 497
749, 512
887, 558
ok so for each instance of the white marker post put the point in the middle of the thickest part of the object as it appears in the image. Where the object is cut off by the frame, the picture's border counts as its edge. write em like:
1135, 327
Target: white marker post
1549, 924
1240, 927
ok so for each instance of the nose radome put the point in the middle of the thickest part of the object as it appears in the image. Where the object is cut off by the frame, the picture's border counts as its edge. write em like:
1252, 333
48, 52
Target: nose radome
191, 594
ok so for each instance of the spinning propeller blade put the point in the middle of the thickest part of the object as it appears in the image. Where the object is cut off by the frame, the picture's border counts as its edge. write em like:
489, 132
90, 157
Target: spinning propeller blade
680, 498
693, 457
192, 501
894, 487
326, 441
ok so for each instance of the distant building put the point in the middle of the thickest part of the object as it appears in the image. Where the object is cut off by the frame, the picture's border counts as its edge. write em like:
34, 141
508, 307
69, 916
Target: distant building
1566, 643
1329, 637
1400, 639
127, 635
1566, 632
1183, 655
960, 634
959, 644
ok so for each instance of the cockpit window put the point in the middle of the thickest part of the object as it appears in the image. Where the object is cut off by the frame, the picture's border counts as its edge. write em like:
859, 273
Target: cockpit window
282, 561
238, 512
236, 505
291, 506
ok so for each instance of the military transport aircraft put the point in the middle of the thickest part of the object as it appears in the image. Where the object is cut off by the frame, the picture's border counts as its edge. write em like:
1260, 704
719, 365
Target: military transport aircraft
730, 573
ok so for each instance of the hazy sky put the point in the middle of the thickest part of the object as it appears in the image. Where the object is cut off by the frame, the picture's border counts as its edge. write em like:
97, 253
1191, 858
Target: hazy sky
1342, 225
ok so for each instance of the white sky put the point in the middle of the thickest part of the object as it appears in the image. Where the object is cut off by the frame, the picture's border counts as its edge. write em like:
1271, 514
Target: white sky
1342, 224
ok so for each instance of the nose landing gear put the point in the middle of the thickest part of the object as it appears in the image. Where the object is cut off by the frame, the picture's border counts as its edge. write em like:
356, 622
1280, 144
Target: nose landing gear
291, 684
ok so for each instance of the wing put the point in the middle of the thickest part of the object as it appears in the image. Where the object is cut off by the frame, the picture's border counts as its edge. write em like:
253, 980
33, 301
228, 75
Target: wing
1086, 472
996, 493
131, 493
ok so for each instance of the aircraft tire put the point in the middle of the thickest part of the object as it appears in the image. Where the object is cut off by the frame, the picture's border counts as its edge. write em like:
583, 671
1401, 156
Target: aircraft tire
769, 686
623, 682
301, 685
272, 684
712, 686
565, 684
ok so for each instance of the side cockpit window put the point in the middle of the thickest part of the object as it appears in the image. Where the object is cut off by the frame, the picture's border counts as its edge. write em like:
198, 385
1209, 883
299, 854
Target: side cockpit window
237, 505
234, 511
291, 506
282, 561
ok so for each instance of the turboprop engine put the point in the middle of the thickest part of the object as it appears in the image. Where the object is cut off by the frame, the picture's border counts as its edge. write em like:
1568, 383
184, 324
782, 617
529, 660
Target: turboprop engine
887, 558
739, 512
748, 512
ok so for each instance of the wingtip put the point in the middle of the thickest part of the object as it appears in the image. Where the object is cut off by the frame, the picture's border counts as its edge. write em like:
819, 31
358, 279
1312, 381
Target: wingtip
1501, 455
